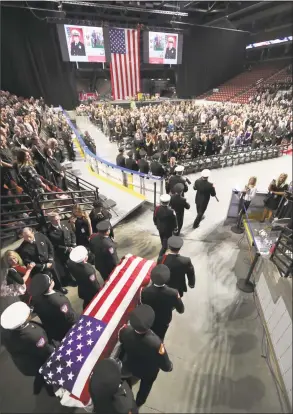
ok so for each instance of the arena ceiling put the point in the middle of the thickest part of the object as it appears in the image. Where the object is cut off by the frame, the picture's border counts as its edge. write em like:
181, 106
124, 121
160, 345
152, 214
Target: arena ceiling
258, 18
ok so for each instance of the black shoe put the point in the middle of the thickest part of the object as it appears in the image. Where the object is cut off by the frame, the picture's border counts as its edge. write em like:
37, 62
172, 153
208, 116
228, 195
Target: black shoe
63, 290
195, 227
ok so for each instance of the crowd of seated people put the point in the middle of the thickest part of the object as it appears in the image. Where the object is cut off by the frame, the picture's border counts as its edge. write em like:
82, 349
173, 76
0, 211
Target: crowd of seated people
30, 154
189, 129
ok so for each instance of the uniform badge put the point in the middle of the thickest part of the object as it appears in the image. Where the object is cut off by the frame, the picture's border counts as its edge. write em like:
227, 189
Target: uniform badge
162, 350
111, 250
92, 278
64, 308
41, 342
42, 243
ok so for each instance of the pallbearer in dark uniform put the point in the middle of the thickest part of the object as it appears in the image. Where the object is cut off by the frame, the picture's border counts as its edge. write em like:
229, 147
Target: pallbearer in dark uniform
142, 163
180, 266
104, 249
84, 274
37, 248
178, 203
156, 167
130, 163
176, 179
120, 159
110, 394
26, 342
144, 352
204, 190
53, 308
162, 299
63, 240
165, 220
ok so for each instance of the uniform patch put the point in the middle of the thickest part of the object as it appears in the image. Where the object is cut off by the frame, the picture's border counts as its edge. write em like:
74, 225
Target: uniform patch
41, 342
92, 278
162, 350
111, 250
64, 308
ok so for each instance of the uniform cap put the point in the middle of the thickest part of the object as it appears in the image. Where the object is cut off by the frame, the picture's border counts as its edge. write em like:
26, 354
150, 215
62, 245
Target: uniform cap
40, 284
130, 154
142, 318
105, 379
175, 242
160, 275
15, 315
165, 198
170, 39
156, 156
179, 168
78, 254
75, 32
178, 188
103, 225
142, 153
121, 149
205, 173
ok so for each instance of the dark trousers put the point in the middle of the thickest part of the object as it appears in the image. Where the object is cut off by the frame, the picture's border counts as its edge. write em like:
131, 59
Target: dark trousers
144, 389
160, 329
164, 241
200, 212
180, 218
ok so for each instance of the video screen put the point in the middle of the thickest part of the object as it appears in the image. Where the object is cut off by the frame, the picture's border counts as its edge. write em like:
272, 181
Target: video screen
163, 48
82, 43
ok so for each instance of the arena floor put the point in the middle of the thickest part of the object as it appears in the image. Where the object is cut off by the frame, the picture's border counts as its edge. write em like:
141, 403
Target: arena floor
216, 345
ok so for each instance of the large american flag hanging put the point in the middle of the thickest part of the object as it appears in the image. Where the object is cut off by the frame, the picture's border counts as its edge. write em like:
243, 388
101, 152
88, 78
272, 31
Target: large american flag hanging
125, 62
95, 334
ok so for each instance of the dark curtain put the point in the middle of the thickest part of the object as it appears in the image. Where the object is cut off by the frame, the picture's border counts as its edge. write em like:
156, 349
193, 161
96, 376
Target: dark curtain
210, 57
31, 59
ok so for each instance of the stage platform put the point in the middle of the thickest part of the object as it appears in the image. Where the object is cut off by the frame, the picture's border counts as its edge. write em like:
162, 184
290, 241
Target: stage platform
126, 104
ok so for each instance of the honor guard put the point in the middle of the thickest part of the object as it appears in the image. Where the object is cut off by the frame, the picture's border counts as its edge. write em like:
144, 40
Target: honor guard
162, 298
26, 342
179, 266
120, 159
204, 190
110, 394
37, 248
156, 167
84, 274
104, 249
63, 240
130, 163
179, 204
176, 179
165, 220
53, 308
144, 352
143, 165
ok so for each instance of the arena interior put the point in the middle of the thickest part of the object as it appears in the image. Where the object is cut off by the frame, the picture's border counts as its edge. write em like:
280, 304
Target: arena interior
146, 157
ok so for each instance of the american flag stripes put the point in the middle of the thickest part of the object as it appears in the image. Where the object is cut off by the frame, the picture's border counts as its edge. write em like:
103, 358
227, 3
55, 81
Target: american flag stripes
125, 62
95, 335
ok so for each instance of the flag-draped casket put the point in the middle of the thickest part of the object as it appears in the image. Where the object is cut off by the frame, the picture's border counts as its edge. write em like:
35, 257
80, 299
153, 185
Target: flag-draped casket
95, 335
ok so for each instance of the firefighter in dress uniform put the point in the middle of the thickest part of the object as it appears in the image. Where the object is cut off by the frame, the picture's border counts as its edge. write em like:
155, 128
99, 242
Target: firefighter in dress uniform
109, 392
84, 274
53, 308
180, 266
156, 167
176, 179
104, 250
144, 353
165, 220
179, 204
120, 159
130, 163
77, 47
162, 299
142, 163
63, 240
27, 343
170, 51
204, 191
37, 248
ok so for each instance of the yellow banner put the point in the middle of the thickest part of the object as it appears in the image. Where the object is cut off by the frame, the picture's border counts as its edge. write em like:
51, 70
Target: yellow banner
130, 181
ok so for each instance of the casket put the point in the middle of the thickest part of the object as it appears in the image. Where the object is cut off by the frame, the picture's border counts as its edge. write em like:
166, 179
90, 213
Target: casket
95, 335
